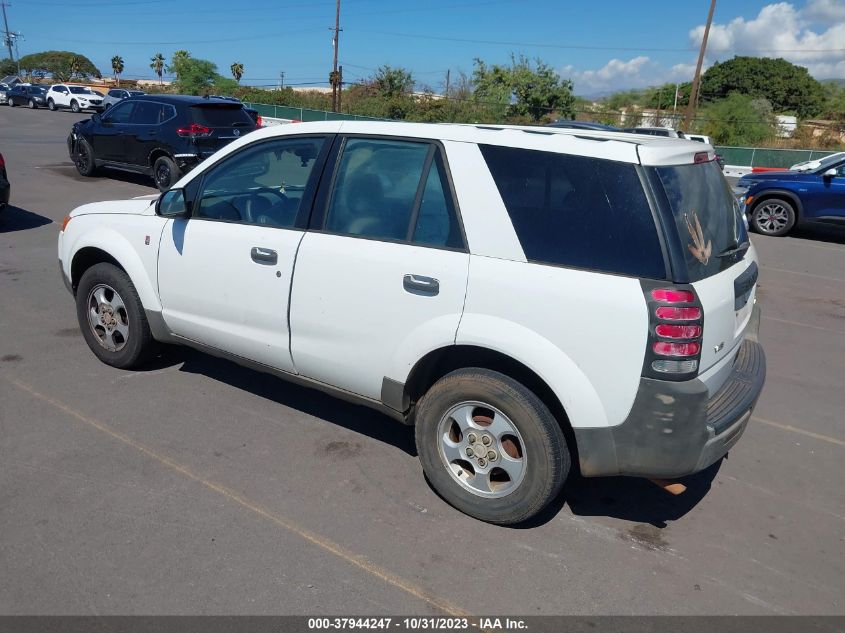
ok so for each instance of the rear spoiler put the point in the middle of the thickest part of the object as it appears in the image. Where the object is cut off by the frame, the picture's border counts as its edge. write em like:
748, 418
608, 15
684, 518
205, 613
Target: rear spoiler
675, 152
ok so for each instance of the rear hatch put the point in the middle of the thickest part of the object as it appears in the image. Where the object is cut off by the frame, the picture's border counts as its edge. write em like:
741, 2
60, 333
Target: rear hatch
709, 248
217, 124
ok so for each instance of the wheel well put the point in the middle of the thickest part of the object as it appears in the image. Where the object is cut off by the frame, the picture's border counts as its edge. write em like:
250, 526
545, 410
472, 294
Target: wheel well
84, 259
434, 365
788, 195
156, 154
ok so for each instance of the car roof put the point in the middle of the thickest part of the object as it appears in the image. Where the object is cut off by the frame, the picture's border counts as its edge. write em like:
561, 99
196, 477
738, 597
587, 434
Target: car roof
184, 99
618, 146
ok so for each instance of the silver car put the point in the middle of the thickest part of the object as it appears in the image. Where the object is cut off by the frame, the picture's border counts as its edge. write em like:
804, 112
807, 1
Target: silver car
117, 95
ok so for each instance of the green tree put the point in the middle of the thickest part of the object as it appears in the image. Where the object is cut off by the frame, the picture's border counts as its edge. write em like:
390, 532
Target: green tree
237, 71
737, 120
199, 77
8, 67
178, 59
117, 67
157, 64
789, 88
523, 91
61, 65
393, 82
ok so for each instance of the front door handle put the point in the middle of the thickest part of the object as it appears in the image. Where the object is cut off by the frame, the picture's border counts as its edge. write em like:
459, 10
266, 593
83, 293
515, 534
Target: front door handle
421, 285
263, 255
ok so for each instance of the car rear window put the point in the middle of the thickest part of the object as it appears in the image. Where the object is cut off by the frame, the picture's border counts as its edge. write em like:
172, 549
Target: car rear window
706, 214
221, 115
578, 211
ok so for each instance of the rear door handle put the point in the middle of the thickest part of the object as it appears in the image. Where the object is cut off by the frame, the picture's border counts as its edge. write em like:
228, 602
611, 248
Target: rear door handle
263, 255
421, 285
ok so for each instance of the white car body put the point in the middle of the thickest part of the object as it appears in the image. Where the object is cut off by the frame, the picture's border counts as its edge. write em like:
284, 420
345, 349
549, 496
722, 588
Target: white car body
73, 96
332, 311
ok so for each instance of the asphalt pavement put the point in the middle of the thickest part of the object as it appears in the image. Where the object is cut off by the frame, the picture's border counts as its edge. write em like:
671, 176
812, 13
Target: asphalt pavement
199, 487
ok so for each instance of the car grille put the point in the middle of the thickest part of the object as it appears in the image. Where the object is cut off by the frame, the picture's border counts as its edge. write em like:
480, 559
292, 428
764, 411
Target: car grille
95, 101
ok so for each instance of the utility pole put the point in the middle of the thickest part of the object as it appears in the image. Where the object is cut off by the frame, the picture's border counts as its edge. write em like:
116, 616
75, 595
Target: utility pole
335, 77
690, 114
448, 77
7, 35
281, 80
339, 86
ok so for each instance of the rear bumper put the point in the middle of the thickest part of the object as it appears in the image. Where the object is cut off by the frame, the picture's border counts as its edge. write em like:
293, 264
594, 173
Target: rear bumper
673, 429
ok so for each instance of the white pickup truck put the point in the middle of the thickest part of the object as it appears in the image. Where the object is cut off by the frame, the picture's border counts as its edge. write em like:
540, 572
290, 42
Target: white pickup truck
530, 298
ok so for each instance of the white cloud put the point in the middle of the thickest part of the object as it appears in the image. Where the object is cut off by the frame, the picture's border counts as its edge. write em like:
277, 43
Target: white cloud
811, 36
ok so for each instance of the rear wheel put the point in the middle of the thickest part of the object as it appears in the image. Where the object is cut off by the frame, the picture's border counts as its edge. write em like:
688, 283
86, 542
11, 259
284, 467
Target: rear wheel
165, 172
112, 317
32, 105
773, 216
11, 103
51, 104
74, 106
490, 447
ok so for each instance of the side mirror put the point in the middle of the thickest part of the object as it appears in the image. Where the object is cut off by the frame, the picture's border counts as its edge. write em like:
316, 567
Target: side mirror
172, 204
830, 173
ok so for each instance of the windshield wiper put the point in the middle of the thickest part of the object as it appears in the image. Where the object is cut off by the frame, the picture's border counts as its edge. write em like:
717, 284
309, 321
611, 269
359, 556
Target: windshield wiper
739, 248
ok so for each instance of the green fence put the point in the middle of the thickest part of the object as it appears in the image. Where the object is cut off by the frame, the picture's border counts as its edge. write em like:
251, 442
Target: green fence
305, 114
767, 157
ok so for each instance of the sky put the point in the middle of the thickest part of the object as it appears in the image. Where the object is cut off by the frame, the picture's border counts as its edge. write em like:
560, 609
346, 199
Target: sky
602, 47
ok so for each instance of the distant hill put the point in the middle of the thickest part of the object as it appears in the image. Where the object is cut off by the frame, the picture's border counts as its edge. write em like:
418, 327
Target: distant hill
835, 82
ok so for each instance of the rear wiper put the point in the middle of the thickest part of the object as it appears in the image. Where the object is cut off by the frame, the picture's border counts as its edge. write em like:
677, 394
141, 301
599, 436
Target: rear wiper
739, 248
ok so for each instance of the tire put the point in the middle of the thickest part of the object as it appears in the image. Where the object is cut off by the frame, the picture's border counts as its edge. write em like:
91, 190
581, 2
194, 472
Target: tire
534, 456
32, 105
74, 106
11, 103
122, 311
165, 172
52, 105
773, 216
85, 161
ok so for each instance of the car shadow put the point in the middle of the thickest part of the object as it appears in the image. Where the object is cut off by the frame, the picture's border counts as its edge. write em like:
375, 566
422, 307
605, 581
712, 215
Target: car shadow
353, 417
14, 218
820, 232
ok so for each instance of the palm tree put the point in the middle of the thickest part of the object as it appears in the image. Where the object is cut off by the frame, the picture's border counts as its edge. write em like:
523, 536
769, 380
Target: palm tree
158, 65
237, 71
117, 67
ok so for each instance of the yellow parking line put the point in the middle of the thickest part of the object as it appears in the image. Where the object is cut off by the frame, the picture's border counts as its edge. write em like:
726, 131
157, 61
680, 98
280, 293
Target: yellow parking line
320, 541
787, 427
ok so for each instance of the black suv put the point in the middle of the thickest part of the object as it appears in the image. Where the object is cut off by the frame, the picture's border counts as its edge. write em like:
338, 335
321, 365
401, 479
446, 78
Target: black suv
162, 136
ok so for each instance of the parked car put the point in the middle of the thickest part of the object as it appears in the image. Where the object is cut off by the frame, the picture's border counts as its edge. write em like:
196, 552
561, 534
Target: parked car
163, 136
811, 165
3, 92
777, 201
523, 298
5, 187
700, 138
655, 131
253, 114
116, 95
32, 96
77, 98
583, 125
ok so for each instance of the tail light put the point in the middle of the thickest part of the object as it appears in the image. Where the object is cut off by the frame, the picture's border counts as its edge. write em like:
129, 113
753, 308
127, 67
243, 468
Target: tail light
2, 162
194, 129
676, 326
259, 121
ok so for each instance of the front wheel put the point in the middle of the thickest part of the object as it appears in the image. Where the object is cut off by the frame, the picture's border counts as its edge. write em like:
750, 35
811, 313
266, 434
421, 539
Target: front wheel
112, 317
165, 173
11, 103
51, 104
32, 105
490, 447
74, 106
773, 216
84, 161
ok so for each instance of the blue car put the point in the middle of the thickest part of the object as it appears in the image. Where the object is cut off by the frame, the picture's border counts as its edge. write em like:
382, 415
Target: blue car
776, 201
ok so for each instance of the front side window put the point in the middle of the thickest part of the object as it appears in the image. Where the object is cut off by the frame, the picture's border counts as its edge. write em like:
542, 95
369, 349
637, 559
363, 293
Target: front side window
121, 113
578, 211
393, 190
265, 184
114, 93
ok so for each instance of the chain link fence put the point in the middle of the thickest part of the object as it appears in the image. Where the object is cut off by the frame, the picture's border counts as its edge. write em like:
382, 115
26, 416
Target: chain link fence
767, 157
304, 114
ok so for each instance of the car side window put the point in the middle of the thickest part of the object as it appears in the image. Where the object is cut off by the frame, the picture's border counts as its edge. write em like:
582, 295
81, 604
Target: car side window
121, 113
379, 188
146, 113
114, 93
264, 185
437, 222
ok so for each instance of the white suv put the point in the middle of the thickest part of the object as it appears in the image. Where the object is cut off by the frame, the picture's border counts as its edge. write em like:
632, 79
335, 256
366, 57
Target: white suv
529, 298
77, 98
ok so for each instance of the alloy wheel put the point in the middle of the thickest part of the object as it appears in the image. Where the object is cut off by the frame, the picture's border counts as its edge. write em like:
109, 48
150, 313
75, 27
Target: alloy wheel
108, 317
771, 217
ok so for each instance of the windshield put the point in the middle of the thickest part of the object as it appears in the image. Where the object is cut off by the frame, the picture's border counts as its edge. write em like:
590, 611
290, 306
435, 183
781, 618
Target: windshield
707, 216
135, 93
79, 90
825, 162
221, 115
